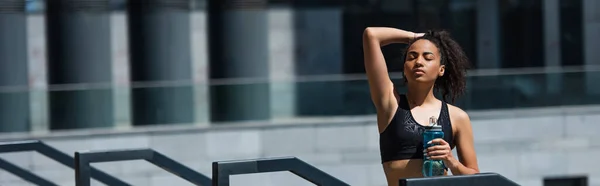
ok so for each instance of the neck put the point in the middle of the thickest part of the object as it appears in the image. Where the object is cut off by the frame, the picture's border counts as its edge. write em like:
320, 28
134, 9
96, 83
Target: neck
418, 94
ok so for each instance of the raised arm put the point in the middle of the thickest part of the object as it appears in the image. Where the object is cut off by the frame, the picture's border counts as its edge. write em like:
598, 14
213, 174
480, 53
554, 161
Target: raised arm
380, 85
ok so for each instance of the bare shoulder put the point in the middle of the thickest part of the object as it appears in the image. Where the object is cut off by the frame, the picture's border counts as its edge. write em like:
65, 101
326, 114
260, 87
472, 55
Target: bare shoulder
458, 115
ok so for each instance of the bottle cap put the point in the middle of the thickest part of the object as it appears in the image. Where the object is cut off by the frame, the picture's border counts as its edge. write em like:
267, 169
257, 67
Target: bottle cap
432, 121
433, 125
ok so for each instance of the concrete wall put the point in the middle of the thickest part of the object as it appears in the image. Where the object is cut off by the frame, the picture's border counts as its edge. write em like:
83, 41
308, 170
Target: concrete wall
523, 145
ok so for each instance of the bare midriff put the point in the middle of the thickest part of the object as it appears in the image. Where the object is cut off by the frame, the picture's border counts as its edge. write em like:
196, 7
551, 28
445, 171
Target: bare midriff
399, 169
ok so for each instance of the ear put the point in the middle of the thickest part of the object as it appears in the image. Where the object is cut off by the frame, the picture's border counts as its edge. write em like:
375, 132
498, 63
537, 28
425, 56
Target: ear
442, 70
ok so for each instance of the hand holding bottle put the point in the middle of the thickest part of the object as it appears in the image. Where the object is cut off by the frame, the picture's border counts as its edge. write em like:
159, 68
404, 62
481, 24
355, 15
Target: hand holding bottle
440, 151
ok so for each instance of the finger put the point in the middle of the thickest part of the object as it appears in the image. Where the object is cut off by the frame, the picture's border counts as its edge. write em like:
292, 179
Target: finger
437, 153
438, 141
441, 157
437, 147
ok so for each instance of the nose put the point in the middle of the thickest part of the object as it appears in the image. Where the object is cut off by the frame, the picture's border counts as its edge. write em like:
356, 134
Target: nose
419, 62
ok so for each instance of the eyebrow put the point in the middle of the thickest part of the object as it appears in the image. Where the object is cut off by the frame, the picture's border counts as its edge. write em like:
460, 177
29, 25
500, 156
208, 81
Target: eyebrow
424, 53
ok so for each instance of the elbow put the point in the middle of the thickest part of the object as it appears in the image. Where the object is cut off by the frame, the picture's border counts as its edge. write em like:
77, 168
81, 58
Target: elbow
370, 38
472, 171
468, 171
368, 33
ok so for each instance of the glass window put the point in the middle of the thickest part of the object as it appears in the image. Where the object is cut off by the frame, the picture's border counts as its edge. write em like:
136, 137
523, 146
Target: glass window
522, 35
571, 32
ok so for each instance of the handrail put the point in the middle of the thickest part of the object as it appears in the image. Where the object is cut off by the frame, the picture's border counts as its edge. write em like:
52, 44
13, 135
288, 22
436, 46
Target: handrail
24, 174
52, 153
223, 169
296, 79
481, 179
83, 160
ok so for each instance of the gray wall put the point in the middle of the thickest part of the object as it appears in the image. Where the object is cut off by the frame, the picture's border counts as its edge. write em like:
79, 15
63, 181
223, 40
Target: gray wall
524, 145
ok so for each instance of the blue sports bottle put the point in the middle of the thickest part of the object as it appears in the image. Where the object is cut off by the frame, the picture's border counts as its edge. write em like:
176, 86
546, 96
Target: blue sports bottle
432, 167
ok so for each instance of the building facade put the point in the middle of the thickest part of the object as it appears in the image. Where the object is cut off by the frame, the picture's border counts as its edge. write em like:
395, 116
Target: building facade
286, 78
152, 64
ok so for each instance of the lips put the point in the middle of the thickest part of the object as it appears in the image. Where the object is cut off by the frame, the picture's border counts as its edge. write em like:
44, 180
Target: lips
418, 71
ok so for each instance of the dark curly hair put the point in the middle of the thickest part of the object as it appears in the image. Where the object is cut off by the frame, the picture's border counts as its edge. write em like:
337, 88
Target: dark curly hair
453, 83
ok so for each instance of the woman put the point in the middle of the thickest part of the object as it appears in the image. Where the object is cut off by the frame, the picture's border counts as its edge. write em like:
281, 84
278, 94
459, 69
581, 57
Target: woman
433, 62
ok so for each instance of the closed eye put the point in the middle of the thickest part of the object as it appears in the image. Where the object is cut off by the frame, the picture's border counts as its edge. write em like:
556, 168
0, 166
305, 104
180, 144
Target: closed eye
412, 55
429, 56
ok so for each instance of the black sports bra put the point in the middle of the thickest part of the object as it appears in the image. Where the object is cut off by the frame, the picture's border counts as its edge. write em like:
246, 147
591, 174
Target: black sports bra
402, 139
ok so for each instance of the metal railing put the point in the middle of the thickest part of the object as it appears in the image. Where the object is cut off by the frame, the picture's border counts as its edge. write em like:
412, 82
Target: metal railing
482, 179
24, 174
83, 160
294, 79
52, 153
223, 169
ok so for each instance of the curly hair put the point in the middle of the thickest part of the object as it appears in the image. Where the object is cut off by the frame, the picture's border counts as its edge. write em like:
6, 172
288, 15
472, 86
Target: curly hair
453, 83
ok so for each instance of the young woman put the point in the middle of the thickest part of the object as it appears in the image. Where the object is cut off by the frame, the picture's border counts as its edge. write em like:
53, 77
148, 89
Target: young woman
433, 62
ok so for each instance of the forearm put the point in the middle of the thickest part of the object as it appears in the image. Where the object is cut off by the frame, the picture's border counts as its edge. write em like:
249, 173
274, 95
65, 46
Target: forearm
386, 35
458, 168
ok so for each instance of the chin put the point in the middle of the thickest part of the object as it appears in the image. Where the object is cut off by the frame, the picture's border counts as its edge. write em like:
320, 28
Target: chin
421, 79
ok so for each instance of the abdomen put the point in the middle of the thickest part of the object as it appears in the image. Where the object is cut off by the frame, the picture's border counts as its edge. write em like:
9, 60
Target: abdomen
399, 169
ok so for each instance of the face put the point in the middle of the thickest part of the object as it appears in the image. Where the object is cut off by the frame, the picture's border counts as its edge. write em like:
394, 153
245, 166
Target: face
423, 62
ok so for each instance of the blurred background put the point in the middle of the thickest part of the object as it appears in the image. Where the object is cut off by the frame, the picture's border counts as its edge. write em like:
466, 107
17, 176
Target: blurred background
208, 80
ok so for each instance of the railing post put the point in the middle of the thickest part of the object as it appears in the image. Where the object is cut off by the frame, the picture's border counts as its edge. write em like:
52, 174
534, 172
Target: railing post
82, 170
218, 178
